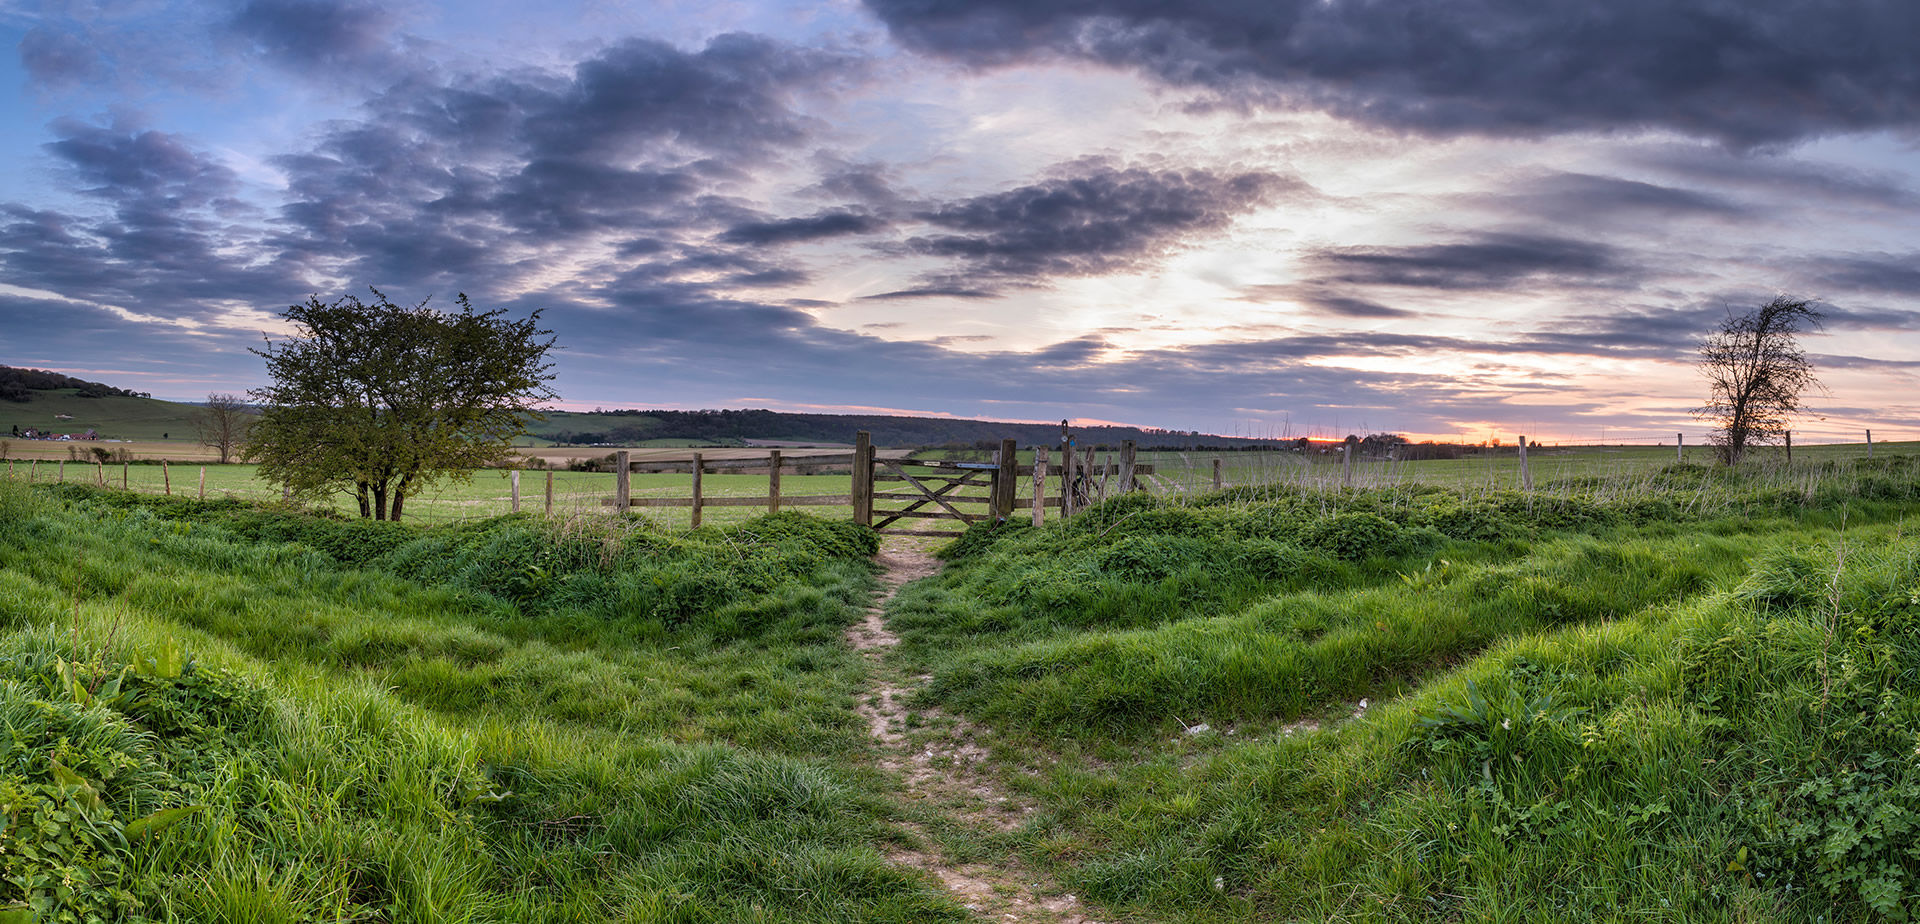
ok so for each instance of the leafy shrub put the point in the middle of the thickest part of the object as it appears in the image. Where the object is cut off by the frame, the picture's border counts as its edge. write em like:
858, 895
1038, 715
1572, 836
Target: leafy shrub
1354, 536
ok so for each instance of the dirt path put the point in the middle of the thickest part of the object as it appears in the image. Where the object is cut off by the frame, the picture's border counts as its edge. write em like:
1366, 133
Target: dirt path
941, 763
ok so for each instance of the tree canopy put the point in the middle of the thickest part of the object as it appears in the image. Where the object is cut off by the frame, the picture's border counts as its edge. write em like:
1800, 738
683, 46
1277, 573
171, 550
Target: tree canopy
1757, 375
384, 400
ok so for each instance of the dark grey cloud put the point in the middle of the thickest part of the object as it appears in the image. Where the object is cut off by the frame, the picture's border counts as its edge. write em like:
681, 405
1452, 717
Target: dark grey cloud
1490, 262
933, 292
58, 59
1781, 182
820, 226
1592, 200
1745, 74
1878, 273
340, 39
1322, 302
1097, 219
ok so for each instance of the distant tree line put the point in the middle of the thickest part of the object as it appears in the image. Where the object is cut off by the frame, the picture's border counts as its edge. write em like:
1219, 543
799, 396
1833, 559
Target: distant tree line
19, 385
719, 426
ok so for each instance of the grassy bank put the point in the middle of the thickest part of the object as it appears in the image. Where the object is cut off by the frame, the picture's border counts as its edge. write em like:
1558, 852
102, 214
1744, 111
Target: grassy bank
219, 713
1690, 701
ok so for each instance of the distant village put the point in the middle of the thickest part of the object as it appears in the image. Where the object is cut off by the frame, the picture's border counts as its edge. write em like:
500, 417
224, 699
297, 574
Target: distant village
33, 433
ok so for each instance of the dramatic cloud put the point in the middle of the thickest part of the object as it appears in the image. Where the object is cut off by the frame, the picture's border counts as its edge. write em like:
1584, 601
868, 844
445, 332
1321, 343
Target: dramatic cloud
61, 59
837, 223
340, 39
1493, 262
1100, 221
1746, 74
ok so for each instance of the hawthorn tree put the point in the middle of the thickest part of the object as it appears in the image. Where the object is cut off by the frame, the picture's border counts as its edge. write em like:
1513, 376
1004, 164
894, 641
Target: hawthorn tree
221, 425
1757, 375
384, 400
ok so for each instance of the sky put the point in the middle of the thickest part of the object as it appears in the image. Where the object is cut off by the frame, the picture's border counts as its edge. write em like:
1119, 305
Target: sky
1442, 218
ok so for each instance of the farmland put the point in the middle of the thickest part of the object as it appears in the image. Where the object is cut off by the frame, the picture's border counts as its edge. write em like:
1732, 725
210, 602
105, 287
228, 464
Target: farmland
1642, 690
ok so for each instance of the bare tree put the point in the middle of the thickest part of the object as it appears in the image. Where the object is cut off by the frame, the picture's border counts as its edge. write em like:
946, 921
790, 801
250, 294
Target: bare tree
1757, 374
222, 424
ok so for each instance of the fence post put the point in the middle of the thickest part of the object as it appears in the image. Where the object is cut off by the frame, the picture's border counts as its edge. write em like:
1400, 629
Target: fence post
1066, 479
516, 490
63, 471
124, 465
1217, 483
699, 468
166, 479
1127, 483
549, 492
1086, 475
1789, 445
203, 482
33, 471
1106, 472
773, 481
622, 480
1526, 473
863, 478
1869, 444
1006, 480
1039, 484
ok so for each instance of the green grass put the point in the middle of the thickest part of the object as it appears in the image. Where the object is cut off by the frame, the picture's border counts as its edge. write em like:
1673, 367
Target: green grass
112, 417
1610, 703
1672, 693
489, 723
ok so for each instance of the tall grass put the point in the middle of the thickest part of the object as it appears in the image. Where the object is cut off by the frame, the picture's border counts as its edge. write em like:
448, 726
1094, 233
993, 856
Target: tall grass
1688, 695
387, 723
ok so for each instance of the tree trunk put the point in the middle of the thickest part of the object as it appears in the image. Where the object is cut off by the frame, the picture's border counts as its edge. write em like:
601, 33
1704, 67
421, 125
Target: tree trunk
360, 494
399, 500
379, 500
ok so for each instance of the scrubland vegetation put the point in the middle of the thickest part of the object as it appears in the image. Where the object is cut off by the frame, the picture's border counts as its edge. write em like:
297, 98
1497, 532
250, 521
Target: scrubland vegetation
1688, 696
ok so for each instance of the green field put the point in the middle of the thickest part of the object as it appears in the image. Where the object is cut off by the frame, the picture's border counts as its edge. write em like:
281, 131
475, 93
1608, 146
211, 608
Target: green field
114, 417
1644, 691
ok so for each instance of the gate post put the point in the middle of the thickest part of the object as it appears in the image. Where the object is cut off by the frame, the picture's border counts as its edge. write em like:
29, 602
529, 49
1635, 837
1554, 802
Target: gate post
1006, 481
1126, 466
863, 478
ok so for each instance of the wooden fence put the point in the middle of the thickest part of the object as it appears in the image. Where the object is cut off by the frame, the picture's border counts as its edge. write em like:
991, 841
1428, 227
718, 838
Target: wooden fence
936, 489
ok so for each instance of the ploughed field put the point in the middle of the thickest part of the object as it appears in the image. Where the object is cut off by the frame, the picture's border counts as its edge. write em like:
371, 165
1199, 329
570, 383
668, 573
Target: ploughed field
1672, 694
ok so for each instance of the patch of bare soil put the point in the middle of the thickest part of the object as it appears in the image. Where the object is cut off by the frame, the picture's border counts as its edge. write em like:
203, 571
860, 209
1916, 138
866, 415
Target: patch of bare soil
942, 763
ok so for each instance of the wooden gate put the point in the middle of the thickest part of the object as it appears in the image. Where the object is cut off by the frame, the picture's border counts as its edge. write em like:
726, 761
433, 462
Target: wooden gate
938, 490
